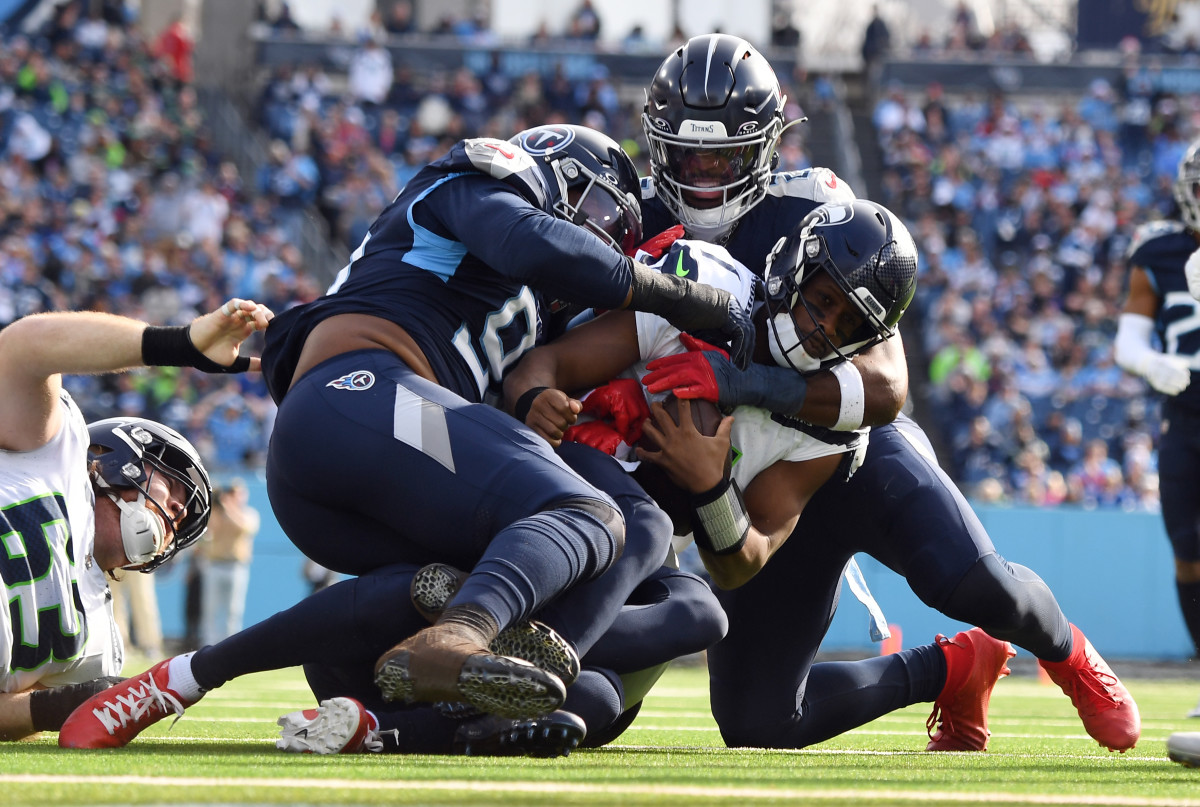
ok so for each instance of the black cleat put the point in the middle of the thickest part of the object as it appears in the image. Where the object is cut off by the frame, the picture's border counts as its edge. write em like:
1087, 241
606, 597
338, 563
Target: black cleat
555, 735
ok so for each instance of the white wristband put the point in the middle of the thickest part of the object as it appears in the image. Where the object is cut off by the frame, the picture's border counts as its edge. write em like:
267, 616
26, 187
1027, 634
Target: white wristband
854, 397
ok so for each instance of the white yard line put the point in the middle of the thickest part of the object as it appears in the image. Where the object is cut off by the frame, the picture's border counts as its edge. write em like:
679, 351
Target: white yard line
706, 792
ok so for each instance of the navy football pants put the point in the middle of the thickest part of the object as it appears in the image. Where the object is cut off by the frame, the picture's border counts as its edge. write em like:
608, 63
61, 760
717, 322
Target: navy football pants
903, 510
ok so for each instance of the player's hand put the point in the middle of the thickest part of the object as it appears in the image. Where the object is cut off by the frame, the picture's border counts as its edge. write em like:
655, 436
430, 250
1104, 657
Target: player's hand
1167, 373
1191, 270
551, 414
739, 329
219, 334
693, 374
694, 462
622, 402
595, 433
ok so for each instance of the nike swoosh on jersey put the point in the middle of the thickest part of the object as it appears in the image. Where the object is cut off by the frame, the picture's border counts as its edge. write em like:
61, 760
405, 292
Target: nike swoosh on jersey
680, 270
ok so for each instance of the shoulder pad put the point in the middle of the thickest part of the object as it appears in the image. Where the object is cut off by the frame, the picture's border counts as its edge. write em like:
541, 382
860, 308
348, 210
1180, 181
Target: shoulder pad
818, 184
709, 264
1151, 230
497, 158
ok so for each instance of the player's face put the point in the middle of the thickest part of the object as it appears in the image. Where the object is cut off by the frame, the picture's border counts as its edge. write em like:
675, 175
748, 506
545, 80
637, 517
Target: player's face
829, 312
164, 491
700, 168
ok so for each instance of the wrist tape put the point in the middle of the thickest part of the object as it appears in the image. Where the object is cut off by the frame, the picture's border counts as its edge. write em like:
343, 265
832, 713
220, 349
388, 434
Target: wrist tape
720, 525
171, 346
854, 397
525, 402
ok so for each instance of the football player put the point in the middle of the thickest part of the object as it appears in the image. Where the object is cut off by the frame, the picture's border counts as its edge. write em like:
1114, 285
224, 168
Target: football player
80, 501
713, 115
1164, 263
384, 454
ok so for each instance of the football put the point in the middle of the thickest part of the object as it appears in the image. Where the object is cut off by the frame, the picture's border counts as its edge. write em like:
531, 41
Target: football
676, 502
705, 415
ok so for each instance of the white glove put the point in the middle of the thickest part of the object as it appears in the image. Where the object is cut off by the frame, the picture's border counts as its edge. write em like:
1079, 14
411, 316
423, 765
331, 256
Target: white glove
1168, 374
1191, 270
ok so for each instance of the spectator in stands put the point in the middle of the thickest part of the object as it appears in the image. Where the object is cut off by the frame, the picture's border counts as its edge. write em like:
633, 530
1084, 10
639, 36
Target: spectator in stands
174, 46
370, 73
876, 44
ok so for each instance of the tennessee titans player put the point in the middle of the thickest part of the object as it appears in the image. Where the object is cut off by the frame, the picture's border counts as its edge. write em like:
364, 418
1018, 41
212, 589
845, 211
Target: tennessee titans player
383, 454
1162, 259
713, 115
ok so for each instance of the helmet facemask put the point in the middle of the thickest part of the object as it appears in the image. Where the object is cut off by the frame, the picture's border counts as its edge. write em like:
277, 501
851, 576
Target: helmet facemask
126, 454
1187, 187
879, 285
589, 200
708, 184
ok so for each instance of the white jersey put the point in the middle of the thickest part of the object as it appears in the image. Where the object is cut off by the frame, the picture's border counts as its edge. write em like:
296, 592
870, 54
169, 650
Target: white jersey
759, 438
58, 625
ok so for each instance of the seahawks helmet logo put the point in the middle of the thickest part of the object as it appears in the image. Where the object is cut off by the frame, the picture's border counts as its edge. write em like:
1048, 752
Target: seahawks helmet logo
358, 380
544, 140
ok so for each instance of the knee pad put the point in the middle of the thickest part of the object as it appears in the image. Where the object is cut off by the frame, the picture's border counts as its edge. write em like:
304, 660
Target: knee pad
608, 516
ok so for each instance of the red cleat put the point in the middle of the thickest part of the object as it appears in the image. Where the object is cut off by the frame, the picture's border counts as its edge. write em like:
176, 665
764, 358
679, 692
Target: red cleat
110, 719
974, 663
1105, 706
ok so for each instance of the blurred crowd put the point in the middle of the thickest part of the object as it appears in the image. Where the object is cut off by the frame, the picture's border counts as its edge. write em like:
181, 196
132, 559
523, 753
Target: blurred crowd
113, 198
1023, 214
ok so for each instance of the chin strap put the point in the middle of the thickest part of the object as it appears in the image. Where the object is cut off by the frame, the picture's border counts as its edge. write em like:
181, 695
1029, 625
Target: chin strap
142, 530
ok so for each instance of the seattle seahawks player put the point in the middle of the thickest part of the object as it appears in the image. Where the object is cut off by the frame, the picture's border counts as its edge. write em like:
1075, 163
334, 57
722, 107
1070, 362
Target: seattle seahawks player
714, 113
1163, 258
82, 500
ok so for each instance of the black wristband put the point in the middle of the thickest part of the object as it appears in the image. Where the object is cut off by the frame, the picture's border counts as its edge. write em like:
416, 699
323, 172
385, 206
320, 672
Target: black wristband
525, 402
171, 346
50, 708
719, 522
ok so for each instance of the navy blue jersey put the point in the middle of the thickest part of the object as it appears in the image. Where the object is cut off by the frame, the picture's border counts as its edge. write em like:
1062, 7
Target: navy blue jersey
790, 197
1161, 248
454, 260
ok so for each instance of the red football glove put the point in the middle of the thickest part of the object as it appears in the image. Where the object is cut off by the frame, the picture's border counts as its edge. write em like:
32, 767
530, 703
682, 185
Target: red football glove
622, 402
688, 375
594, 433
656, 246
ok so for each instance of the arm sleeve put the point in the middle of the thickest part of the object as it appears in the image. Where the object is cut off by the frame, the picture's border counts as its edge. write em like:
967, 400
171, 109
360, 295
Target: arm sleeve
1132, 342
525, 243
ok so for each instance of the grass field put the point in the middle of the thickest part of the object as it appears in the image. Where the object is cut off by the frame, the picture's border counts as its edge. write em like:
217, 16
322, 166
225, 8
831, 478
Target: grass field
223, 752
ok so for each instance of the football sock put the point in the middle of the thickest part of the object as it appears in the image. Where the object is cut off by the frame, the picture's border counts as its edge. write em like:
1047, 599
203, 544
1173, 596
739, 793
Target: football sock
181, 679
1012, 604
535, 559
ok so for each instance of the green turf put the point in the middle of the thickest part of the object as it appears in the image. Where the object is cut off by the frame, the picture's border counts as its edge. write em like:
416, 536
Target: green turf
222, 751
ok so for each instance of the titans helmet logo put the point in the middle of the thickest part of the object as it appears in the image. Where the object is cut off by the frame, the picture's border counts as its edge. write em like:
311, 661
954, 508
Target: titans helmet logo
547, 139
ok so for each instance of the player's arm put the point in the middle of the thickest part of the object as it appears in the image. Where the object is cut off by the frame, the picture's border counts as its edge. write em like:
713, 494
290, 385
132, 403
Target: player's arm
1133, 349
736, 532
37, 350
538, 390
867, 391
44, 709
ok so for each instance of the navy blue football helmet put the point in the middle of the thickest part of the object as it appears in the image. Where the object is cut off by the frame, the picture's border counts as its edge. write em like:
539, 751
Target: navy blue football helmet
871, 256
713, 118
124, 453
594, 182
